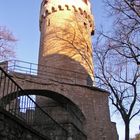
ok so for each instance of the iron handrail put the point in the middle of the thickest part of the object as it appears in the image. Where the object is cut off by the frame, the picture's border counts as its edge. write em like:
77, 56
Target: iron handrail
7, 83
32, 69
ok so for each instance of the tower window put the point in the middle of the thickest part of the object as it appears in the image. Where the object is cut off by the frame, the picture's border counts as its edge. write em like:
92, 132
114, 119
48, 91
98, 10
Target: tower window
81, 11
53, 9
85, 1
67, 7
60, 8
45, 2
85, 24
74, 8
48, 22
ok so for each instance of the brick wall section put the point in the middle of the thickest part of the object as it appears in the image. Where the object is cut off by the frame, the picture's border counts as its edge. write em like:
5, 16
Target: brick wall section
93, 103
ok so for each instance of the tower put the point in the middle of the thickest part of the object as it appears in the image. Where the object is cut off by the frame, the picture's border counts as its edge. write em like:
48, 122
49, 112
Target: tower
63, 85
66, 27
65, 56
65, 59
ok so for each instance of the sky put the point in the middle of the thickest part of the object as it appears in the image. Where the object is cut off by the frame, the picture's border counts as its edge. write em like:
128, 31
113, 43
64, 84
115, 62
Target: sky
21, 17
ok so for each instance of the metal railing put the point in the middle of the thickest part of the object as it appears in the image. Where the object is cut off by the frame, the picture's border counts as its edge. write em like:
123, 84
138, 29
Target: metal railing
47, 72
20, 104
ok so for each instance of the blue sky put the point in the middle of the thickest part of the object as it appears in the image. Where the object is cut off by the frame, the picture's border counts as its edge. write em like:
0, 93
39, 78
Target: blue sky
22, 18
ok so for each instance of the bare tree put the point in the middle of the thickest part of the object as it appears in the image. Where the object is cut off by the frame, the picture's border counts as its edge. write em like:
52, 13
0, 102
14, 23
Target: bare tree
7, 42
126, 33
118, 59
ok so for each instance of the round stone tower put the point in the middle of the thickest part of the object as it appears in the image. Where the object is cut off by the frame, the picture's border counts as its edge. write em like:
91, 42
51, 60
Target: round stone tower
66, 27
65, 64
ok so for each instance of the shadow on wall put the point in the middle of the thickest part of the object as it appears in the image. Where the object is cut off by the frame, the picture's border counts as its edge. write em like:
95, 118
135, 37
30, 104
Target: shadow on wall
58, 107
51, 96
61, 68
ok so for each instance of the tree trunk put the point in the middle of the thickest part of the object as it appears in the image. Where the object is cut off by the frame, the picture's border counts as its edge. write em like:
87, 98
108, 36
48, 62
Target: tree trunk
127, 130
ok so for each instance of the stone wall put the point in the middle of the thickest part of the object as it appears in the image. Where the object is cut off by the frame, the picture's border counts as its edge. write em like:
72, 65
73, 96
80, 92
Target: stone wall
11, 128
92, 102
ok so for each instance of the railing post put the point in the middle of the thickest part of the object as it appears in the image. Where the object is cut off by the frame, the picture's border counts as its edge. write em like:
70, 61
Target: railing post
30, 68
14, 65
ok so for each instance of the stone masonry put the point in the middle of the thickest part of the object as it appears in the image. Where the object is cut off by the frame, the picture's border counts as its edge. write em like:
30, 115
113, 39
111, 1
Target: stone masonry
65, 61
92, 102
65, 41
12, 128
